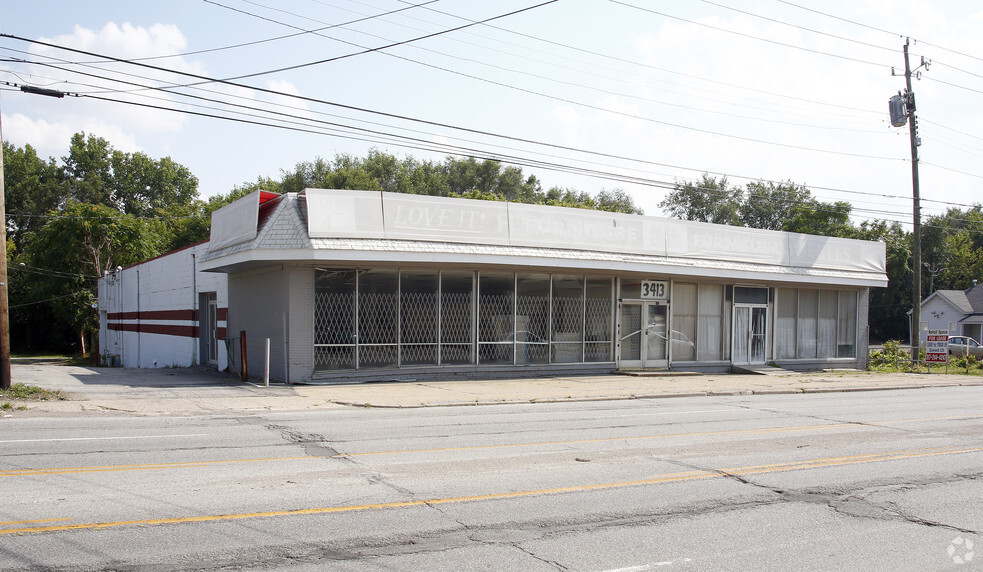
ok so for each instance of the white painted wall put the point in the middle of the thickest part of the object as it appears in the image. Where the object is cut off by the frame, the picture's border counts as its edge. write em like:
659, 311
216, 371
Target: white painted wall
136, 297
939, 314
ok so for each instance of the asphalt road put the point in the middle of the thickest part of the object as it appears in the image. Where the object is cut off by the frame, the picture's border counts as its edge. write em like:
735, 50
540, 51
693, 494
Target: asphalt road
887, 480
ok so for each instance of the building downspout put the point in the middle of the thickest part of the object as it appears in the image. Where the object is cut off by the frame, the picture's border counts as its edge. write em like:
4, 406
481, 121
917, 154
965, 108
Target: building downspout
139, 333
196, 322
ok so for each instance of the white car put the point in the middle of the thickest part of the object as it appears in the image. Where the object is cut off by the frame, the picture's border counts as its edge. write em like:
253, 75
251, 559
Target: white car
965, 345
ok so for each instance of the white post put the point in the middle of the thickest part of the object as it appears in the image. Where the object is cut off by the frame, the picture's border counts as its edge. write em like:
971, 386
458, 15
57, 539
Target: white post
266, 375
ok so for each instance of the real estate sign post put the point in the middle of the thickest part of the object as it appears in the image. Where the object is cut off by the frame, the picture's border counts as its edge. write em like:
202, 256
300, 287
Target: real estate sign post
937, 348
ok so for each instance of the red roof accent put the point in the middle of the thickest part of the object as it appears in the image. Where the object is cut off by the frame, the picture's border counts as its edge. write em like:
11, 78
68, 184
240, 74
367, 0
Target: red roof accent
267, 196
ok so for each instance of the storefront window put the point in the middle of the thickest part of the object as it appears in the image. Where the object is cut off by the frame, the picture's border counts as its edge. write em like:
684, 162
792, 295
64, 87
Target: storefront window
786, 310
456, 317
806, 324
710, 323
826, 335
599, 322
418, 312
846, 336
496, 317
816, 324
334, 319
532, 306
568, 319
378, 314
386, 318
682, 336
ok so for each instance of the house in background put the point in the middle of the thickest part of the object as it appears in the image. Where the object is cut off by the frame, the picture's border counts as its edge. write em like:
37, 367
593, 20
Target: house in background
958, 311
367, 285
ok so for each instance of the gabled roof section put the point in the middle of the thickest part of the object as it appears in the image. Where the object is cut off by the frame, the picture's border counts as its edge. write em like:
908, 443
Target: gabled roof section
279, 225
969, 301
956, 298
239, 221
975, 298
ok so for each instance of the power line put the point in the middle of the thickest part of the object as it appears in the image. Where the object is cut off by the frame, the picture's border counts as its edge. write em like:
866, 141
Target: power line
438, 124
750, 36
564, 82
456, 150
370, 50
783, 23
876, 29
41, 301
649, 66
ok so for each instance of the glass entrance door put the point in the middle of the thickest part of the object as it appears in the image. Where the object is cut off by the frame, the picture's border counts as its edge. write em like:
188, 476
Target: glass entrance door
750, 334
644, 335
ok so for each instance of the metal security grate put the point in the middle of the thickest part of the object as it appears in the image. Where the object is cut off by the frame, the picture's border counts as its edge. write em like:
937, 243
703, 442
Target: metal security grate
455, 318
418, 318
388, 319
334, 357
377, 318
334, 318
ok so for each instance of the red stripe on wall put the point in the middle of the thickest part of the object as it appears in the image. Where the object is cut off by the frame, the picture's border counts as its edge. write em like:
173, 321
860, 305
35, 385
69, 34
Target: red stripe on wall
164, 329
220, 333
190, 315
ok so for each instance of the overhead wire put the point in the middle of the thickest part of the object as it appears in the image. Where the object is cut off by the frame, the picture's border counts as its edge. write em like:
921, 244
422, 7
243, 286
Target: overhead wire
729, 101
610, 57
251, 88
583, 86
674, 166
538, 164
749, 36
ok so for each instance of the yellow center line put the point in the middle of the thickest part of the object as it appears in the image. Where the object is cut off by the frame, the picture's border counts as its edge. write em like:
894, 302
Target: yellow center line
658, 479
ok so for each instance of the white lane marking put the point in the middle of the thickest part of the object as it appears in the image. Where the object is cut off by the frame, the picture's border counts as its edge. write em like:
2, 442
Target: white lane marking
102, 438
651, 565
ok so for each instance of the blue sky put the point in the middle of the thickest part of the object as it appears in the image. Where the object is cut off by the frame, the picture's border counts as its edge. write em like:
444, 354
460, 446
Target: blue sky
656, 91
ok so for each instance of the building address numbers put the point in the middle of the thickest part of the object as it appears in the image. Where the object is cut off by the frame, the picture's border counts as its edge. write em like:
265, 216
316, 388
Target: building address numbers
655, 289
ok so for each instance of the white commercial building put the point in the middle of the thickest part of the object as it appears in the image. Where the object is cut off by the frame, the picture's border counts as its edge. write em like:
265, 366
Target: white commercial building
358, 285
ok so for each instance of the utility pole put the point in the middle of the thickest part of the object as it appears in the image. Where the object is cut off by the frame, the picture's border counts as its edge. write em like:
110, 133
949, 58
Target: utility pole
4, 312
909, 107
4, 307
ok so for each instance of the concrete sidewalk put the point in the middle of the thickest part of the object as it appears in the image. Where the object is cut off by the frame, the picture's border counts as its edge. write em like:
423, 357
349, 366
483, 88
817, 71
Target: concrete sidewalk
201, 390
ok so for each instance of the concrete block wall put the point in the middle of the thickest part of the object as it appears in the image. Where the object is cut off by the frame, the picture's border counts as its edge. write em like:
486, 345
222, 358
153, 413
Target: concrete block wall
148, 312
275, 303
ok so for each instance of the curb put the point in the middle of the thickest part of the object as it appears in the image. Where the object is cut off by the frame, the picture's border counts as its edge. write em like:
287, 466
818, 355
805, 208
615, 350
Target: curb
743, 392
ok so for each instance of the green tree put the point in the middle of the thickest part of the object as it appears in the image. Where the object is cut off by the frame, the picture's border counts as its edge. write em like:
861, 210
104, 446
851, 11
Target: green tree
770, 206
78, 245
32, 188
708, 200
888, 317
824, 219
132, 183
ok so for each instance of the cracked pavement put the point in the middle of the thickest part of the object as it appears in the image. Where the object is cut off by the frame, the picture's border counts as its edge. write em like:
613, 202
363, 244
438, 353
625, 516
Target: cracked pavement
876, 480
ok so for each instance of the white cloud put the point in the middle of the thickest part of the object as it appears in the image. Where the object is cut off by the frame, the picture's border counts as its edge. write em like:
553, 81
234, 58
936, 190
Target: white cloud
52, 138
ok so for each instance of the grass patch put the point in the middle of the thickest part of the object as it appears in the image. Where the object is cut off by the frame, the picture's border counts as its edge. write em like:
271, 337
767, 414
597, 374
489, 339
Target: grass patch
31, 393
893, 359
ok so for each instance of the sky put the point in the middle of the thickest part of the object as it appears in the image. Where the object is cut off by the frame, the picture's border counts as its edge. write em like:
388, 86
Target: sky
587, 94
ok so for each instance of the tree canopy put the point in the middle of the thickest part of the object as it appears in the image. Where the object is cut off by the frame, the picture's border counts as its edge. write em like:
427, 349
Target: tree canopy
99, 208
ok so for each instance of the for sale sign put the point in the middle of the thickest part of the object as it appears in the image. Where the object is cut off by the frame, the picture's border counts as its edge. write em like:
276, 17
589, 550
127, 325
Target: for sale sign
937, 349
